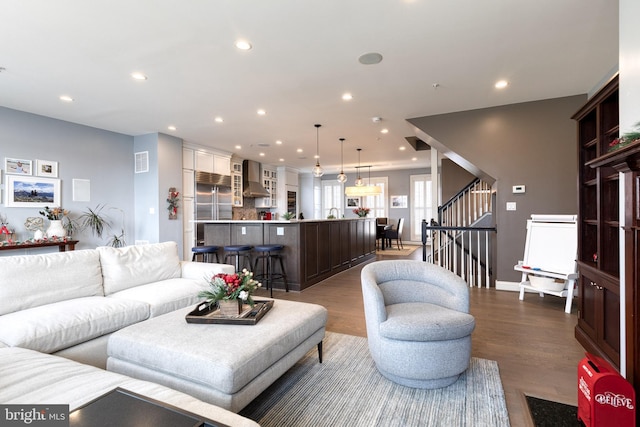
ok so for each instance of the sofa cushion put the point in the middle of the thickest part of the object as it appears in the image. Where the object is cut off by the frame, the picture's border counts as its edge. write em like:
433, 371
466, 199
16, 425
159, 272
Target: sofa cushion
124, 268
425, 322
66, 323
29, 377
33, 280
166, 295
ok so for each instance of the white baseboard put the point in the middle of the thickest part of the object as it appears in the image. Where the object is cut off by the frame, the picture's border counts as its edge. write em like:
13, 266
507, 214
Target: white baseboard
502, 285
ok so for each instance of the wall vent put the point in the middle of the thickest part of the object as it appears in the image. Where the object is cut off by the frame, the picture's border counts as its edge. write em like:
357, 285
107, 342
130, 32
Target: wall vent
142, 162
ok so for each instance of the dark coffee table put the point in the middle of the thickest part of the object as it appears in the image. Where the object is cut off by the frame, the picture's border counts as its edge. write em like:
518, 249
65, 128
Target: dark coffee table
124, 408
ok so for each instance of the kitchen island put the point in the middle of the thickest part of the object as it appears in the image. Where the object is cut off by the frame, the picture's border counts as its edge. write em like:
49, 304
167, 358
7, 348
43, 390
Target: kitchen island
314, 249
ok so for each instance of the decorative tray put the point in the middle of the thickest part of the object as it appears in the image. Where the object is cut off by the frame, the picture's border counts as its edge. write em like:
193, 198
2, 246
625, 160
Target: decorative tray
249, 316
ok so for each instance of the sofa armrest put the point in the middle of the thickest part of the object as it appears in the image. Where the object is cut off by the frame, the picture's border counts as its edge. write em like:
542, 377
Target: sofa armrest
202, 270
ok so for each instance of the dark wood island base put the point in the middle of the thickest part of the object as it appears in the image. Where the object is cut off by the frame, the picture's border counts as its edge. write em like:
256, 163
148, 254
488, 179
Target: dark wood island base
314, 249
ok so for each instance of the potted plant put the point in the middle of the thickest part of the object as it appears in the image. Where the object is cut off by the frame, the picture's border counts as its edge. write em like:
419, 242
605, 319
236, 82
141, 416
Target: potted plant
362, 212
94, 220
230, 291
55, 216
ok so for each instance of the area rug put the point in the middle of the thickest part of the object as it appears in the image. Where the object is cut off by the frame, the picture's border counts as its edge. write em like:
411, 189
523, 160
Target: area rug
393, 251
347, 390
546, 413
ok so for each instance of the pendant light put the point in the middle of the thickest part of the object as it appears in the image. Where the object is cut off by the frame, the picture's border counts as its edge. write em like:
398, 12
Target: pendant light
317, 170
341, 176
359, 182
373, 190
361, 190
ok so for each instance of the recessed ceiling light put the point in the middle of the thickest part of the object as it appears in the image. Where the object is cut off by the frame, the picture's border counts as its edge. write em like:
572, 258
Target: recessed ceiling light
501, 84
347, 97
218, 119
414, 158
172, 128
279, 142
261, 154
385, 131
282, 160
261, 112
238, 147
243, 45
66, 98
138, 76
402, 148
299, 150
371, 58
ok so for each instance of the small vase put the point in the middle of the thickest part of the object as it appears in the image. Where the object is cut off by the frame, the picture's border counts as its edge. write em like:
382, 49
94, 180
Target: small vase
230, 307
56, 229
38, 235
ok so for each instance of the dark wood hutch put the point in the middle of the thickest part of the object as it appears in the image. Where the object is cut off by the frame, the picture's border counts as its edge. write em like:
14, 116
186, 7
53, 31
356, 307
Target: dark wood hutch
603, 173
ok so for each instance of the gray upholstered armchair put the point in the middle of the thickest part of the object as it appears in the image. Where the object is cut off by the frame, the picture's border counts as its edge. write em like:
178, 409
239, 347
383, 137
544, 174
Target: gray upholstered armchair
418, 322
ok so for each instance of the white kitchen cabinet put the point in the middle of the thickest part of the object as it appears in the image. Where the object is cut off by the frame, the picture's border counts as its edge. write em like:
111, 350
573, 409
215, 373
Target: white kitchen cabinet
188, 161
204, 161
270, 183
188, 183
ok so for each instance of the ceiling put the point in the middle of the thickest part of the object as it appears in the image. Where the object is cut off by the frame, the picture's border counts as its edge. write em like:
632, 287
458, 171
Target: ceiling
438, 57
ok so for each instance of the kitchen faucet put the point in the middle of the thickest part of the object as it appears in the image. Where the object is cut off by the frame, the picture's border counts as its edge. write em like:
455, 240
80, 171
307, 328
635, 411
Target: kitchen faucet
331, 210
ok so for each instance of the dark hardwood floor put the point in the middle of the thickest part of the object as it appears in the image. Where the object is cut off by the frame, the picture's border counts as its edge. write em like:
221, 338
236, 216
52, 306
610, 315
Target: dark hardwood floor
532, 340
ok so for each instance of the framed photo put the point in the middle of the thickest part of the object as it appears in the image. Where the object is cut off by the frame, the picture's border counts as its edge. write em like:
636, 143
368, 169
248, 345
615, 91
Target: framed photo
32, 192
17, 166
399, 201
353, 202
46, 168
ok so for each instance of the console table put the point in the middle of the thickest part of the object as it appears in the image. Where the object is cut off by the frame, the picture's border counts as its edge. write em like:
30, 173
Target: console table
62, 246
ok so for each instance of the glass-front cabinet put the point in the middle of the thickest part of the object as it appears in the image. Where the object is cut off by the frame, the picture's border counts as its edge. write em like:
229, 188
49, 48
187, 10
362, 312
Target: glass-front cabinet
236, 182
270, 183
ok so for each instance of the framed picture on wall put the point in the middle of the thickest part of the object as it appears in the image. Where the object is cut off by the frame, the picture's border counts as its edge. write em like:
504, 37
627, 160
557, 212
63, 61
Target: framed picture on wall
46, 168
398, 201
17, 166
31, 192
353, 202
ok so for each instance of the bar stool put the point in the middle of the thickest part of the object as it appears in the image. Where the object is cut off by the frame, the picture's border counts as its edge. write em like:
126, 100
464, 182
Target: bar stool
235, 252
207, 253
269, 254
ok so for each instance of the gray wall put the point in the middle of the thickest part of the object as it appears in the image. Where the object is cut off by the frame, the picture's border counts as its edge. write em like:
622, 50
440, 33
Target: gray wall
146, 190
170, 175
105, 158
453, 179
531, 143
152, 188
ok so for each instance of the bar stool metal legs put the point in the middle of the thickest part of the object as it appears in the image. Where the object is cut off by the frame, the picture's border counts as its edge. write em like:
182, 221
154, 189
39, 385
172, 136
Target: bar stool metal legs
269, 255
237, 252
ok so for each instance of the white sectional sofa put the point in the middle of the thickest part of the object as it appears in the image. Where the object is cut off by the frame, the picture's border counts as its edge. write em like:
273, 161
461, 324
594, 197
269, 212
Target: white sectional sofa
28, 377
69, 303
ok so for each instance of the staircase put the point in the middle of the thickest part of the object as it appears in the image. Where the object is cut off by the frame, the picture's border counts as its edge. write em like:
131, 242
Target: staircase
462, 237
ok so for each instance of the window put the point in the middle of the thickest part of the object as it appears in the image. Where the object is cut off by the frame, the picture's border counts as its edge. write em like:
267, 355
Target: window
420, 204
332, 197
377, 204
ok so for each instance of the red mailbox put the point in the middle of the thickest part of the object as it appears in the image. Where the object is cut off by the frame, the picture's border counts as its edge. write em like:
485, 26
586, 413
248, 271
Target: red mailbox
605, 398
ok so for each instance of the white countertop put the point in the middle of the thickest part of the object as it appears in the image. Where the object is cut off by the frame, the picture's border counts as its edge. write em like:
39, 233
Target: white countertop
273, 221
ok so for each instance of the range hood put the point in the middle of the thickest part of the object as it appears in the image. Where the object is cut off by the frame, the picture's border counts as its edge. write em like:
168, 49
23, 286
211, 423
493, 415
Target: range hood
213, 179
251, 180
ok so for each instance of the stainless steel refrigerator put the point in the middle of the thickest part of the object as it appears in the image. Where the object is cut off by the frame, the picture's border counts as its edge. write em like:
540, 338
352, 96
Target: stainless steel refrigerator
213, 200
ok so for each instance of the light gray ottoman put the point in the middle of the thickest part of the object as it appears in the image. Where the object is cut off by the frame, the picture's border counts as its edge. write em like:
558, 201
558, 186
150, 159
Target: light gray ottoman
226, 365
